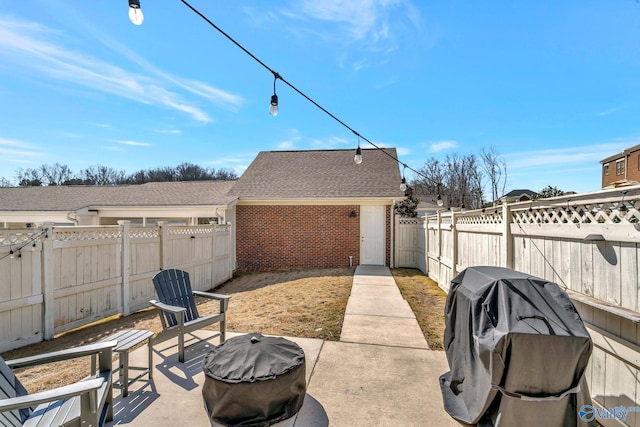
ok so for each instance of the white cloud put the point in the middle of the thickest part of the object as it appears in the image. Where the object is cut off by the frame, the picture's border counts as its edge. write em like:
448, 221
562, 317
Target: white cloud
31, 47
331, 142
436, 147
361, 18
169, 131
567, 157
610, 111
19, 152
14, 143
368, 25
134, 143
285, 145
402, 151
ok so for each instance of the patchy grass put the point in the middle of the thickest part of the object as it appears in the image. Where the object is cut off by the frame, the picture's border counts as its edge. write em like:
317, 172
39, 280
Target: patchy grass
301, 303
427, 301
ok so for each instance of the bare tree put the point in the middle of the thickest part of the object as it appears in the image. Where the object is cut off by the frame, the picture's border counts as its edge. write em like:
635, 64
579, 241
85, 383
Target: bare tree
431, 175
496, 169
102, 175
29, 177
58, 174
4, 182
459, 178
55, 174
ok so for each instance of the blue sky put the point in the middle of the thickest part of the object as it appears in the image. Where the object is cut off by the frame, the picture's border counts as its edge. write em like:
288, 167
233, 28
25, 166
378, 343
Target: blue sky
553, 85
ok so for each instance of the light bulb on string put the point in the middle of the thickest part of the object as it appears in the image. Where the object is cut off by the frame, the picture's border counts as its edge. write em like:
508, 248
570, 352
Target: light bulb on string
357, 159
439, 200
11, 255
403, 183
135, 13
273, 106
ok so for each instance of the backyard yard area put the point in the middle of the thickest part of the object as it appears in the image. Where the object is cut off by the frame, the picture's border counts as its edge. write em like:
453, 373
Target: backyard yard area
302, 303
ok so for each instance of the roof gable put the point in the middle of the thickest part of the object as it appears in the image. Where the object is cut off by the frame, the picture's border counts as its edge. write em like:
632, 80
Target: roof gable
320, 174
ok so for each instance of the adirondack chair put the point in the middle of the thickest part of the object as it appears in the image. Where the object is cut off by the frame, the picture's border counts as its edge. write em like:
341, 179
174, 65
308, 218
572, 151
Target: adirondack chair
85, 403
178, 311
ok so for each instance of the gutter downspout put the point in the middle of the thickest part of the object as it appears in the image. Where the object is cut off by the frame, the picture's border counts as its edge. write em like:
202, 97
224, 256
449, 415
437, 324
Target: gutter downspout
74, 219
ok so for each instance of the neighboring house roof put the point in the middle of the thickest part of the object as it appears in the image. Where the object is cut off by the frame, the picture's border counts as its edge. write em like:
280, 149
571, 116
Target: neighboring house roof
622, 154
75, 197
519, 193
319, 174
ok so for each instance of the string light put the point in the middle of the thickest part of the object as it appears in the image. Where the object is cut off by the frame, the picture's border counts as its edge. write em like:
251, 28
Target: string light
135, 13
273, 108
403, 183
439, 199
32, 241
357, 159
622, 208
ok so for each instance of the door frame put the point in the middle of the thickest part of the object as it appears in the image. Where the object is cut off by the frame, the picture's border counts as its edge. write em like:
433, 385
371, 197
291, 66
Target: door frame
378, 215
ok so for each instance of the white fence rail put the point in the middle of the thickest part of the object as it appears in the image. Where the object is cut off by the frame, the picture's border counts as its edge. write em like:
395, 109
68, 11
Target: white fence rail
53, 279
589, 244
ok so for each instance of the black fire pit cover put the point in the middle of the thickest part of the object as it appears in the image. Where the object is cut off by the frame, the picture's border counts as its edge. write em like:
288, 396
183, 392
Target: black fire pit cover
253, 380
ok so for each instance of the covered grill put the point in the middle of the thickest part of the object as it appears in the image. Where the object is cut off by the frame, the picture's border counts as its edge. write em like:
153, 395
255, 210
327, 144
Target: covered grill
253, 380
517, 350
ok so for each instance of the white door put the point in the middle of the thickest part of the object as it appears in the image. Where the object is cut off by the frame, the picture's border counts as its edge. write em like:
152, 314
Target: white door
372, 235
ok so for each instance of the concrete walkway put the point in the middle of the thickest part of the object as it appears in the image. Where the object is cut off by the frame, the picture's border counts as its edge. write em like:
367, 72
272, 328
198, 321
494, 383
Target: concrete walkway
380, 373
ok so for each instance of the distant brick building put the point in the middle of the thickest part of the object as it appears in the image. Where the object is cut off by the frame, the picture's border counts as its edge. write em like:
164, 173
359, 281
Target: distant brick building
301, 209
621, 169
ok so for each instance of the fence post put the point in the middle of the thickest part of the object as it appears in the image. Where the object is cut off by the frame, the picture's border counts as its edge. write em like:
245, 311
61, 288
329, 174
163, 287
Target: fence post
425, 235
126, 264
507, 238
439, 273
454, 245
213, 255
49, 314
163, 241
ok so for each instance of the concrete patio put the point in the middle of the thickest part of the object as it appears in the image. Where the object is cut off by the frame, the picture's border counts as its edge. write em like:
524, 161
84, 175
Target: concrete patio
381, 372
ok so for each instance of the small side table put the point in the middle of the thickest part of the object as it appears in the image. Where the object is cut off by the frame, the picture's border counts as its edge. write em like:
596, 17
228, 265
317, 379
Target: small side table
127, 339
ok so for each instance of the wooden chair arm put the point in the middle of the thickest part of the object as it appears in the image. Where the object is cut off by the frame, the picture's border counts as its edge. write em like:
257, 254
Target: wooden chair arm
166, 307
57, 356
211, 296
224, 299
59, 393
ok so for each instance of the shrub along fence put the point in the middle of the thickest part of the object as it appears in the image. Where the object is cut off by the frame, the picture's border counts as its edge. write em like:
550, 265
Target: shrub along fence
53, 279
587, 243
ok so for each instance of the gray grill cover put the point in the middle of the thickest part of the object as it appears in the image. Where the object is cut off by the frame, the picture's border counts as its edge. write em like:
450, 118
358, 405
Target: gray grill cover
517, 350
253, 380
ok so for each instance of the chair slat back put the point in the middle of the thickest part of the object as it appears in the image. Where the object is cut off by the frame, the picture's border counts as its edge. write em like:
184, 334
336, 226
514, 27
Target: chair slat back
174, 288
10, 386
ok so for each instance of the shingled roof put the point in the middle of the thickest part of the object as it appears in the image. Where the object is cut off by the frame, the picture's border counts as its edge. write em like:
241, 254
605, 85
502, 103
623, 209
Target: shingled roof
74, 197
320, 174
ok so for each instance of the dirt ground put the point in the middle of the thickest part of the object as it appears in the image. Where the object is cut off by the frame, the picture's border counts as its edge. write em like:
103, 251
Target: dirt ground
301, 303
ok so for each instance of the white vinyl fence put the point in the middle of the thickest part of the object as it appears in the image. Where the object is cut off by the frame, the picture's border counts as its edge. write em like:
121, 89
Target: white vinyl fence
53, 279
589, 244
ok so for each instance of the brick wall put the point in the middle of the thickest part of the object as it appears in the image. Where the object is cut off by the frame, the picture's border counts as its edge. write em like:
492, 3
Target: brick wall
631, 169
290, 237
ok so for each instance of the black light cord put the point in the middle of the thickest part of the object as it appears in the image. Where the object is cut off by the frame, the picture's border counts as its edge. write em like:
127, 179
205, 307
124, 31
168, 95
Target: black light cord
277, 76
19, 249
